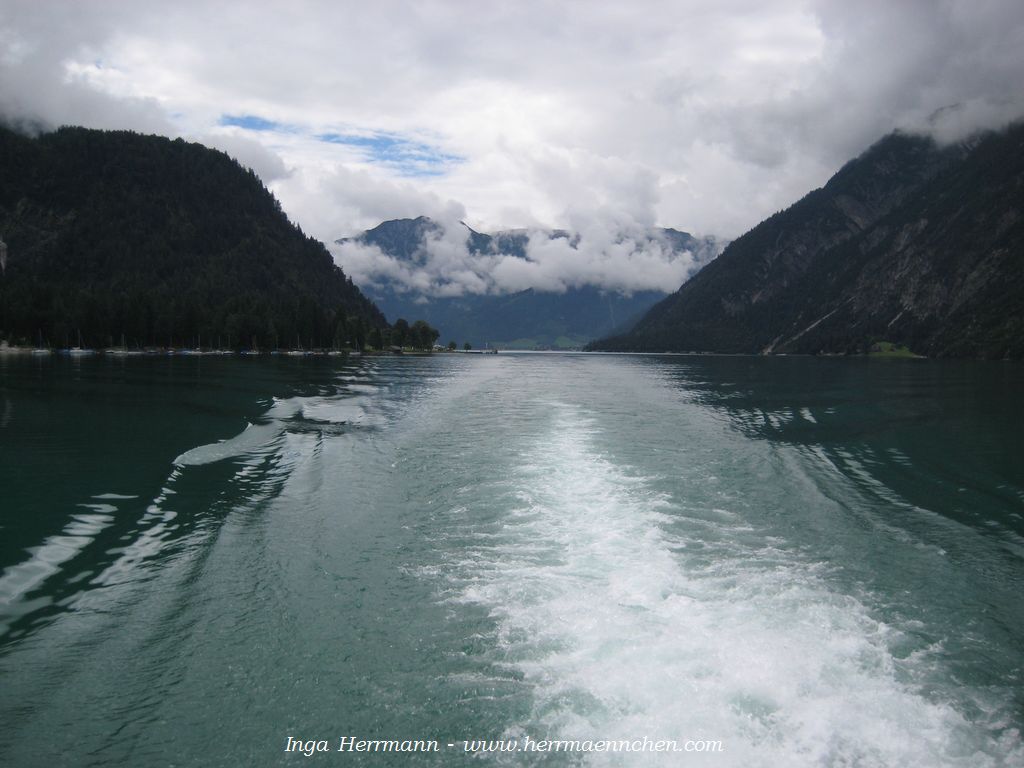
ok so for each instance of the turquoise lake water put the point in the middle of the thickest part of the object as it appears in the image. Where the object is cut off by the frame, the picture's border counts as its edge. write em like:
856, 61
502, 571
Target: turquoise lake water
813, 562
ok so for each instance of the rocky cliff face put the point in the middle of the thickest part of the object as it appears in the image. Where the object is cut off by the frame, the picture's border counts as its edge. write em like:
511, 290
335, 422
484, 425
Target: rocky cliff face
910, 243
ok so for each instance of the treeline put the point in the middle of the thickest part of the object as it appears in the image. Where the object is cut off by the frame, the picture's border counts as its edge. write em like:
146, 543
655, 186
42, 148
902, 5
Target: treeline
116, 236
419, 335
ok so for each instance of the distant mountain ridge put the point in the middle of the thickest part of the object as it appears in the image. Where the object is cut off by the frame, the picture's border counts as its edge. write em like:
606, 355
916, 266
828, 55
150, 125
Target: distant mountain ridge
910, 243
524, 319
113, 235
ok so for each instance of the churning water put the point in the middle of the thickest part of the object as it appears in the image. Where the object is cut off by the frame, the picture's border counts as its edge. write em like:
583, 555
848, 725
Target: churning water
804, 562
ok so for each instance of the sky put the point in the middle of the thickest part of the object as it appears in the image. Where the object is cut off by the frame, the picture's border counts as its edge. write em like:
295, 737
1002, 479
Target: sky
602, 117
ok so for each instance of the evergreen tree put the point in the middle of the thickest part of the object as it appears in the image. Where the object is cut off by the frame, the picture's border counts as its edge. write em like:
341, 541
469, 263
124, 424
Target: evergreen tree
400, 332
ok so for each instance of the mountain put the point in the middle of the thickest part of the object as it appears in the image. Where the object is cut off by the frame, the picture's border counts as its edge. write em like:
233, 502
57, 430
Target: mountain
115, 234
912, 244
529, 319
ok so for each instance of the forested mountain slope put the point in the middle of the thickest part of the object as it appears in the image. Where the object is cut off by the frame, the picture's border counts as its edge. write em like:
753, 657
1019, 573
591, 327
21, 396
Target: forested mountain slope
910, 243
116, 235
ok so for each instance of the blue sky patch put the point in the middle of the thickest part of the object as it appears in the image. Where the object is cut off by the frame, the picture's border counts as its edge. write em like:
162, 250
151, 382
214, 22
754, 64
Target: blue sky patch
406, 156
252, 123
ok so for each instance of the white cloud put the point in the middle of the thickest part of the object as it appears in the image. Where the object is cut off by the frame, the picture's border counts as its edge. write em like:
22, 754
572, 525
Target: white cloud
606, 251
702, 115
248, 152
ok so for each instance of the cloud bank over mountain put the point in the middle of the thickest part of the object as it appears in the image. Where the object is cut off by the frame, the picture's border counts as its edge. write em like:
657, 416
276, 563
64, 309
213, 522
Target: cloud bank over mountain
601, 251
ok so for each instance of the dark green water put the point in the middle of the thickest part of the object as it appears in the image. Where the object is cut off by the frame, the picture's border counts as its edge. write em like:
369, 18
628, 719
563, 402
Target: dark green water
814, 562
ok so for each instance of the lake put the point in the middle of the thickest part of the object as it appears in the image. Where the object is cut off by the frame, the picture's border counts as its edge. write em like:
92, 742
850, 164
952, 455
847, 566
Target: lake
774, 561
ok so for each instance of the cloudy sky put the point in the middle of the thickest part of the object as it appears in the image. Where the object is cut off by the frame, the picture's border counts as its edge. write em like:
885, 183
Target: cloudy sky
703, 115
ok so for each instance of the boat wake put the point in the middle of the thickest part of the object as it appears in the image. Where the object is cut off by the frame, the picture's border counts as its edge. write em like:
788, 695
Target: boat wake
630, 616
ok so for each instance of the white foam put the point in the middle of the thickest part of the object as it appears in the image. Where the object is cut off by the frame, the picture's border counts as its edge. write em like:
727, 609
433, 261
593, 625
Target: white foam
350, 410
622, 634
253, 438
250, 439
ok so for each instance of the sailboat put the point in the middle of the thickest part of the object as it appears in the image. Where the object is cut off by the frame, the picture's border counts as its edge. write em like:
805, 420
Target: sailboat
298, 351
79, 351
122, 350
40, 350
